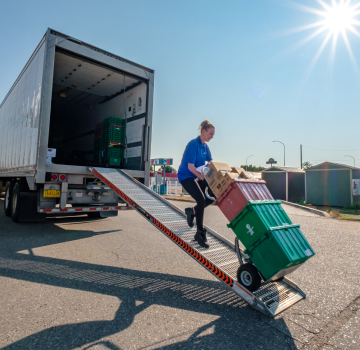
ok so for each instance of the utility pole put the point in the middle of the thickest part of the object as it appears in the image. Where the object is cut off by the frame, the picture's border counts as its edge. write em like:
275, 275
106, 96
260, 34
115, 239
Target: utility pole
301, 157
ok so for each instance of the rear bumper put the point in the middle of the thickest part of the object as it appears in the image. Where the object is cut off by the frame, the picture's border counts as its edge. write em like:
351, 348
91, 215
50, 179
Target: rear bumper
83, 210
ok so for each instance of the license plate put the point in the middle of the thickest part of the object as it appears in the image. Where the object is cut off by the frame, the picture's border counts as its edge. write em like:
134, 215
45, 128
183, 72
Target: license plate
51, 193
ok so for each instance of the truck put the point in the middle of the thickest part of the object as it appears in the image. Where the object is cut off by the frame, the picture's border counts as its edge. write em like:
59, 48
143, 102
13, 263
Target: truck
48, 123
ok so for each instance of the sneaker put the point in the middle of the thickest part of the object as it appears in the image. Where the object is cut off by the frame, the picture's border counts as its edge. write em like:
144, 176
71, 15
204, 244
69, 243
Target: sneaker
199, 237
190, 216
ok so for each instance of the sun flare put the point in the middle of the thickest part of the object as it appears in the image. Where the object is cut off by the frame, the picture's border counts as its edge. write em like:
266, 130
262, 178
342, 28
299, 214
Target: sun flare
335, 18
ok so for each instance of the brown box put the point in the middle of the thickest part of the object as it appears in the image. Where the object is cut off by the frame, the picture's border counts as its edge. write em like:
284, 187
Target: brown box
219, 177
243, 174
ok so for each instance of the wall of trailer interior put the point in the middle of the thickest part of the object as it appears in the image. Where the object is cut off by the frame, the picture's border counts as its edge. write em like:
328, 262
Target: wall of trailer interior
20, 116
84, 94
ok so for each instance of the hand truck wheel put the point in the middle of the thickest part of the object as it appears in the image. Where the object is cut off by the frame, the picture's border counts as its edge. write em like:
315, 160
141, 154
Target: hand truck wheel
248, 275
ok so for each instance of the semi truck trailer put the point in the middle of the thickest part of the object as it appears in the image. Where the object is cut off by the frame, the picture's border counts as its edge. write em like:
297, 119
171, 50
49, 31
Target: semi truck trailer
48, 122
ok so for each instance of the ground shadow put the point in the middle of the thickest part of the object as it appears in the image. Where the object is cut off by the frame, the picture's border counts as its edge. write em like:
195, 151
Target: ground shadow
237, 326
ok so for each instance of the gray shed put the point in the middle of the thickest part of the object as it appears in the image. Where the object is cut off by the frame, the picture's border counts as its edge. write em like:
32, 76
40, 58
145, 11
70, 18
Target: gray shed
286, 183
331, 184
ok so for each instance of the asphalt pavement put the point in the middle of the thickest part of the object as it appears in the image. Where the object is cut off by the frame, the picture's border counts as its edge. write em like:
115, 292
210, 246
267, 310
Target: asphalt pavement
118, 283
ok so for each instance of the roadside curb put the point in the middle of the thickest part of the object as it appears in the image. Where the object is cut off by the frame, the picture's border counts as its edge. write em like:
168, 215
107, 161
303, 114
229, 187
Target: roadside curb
181, 199
314, 211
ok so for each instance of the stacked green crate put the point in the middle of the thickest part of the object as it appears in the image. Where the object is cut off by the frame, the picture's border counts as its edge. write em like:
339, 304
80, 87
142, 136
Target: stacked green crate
112, 141
273, 243
113, 132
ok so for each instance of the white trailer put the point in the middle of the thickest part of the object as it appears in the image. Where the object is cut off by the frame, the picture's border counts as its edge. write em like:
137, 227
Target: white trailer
66, 88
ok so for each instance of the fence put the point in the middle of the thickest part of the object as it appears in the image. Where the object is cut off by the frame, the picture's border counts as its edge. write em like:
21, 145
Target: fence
173, 188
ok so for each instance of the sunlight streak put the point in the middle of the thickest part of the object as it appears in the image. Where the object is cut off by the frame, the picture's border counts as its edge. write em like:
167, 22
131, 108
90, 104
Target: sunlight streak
315, 59
325, 6
337, 16
304, 8
344, 35
355, 6
299, 29
332, 53
302, 42
353, 30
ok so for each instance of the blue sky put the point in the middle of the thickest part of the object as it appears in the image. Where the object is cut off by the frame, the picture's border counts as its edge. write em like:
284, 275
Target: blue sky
227, 61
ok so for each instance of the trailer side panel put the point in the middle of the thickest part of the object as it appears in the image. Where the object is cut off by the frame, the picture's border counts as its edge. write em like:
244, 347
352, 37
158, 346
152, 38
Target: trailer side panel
19, 118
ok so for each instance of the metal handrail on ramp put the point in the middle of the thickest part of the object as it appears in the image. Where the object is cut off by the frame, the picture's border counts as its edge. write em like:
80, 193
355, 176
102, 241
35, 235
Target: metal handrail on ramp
220, 259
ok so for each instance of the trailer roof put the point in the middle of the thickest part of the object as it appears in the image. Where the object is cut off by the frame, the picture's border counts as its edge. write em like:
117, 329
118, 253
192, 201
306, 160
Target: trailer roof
67, 37
77, 41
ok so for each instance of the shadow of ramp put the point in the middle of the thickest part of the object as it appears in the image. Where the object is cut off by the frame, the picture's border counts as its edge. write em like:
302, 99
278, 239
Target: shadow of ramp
72, 336
17, 237
102, 345
224, 334
238, 325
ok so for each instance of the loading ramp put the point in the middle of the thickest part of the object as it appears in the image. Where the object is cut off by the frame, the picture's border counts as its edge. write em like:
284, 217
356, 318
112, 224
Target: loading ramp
220, 259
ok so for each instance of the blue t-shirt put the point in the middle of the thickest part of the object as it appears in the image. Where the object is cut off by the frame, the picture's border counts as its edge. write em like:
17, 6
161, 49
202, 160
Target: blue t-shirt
195, 153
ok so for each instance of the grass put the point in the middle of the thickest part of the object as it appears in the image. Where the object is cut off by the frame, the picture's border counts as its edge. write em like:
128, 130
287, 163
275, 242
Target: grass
349, 219
352, 213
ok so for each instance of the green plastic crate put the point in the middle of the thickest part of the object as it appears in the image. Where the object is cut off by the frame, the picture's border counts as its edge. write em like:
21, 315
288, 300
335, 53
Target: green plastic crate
113, 132
111, 155
112, 152
256, 219
111, 160
280, 251
113, 120
114, 161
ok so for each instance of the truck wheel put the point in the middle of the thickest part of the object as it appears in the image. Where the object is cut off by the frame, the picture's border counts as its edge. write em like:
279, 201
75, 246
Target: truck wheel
24, 205
95, 215
248, 276
8, 196
15, 201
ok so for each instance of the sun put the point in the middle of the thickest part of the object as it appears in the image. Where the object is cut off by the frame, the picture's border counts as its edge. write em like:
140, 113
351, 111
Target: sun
335, 18
339, 17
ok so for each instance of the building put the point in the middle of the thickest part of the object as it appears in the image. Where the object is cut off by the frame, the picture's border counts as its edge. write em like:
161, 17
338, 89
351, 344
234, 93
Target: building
331, 184
285, 183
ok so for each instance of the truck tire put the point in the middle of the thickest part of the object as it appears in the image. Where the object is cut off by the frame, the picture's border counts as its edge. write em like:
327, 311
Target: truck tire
8, 196
15, 201
248, 276
102, 214
95, 215
24, 205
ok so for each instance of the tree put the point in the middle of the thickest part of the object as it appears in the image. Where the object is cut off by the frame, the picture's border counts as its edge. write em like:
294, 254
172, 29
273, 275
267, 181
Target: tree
306, 165
252, 167
151, 168
168, 169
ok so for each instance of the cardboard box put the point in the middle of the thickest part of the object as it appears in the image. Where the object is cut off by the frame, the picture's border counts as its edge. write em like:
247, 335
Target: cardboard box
243, 174
219, 177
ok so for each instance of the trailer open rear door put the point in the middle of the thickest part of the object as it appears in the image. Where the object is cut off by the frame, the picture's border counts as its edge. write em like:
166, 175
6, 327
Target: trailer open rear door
220, 259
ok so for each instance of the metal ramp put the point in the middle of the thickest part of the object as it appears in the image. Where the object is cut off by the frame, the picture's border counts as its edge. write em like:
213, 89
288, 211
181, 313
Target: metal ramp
220, 259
